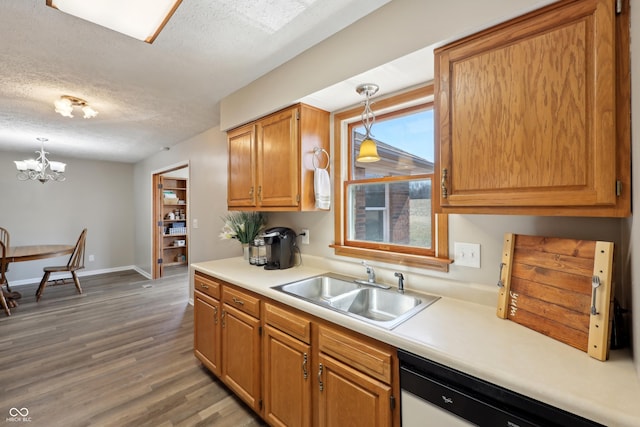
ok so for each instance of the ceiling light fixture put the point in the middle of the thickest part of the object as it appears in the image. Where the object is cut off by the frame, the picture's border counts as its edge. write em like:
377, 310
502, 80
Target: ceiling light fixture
368, 149
64, 106
40, 169
140, 19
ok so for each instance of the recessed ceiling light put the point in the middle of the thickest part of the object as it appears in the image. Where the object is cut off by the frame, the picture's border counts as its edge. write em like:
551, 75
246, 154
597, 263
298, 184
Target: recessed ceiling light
141, 19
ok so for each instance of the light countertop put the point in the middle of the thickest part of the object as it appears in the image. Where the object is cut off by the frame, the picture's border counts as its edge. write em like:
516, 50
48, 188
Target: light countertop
470, 337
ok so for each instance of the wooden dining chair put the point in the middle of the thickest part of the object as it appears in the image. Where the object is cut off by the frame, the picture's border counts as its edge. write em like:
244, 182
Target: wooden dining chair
4, 249
76, 262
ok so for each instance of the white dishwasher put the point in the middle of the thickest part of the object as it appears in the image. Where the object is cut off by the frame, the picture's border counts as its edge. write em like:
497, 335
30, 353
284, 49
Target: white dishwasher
436, 395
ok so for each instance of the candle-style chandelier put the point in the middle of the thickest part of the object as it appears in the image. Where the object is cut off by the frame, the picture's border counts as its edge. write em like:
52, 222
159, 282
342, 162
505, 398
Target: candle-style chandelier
41, 169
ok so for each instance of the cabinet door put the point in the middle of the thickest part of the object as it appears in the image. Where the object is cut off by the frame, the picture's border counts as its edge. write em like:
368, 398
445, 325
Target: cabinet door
241, 191
279, 159
526, 113
350, 398
241, 355
287, 380
207, 331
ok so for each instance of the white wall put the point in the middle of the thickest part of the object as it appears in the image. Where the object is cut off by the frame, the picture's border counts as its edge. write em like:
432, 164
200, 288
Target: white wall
206, 155
96, 195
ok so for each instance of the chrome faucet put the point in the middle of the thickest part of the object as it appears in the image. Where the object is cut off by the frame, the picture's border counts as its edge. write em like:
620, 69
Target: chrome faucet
370, 272
400, 282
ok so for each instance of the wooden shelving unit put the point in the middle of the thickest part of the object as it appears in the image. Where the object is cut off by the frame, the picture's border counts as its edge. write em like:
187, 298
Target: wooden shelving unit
174, 221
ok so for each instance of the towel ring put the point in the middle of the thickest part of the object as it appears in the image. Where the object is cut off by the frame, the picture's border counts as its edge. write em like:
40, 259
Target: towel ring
316, 153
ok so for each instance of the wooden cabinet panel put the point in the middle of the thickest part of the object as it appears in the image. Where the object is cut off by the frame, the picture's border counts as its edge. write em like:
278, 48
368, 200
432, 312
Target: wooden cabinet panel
287, 379
241, 301
241, 355
241, 185
271, 160
295, 325
206, 285
278, 155
526, 115
370, 359
207, 331
350, 398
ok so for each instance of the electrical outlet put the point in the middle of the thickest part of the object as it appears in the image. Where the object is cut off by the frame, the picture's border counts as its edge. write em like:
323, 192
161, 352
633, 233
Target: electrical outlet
195, 222
91, 258
305, 238
467, 254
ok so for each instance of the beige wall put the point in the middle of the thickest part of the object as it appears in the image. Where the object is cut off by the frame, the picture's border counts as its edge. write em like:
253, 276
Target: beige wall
96, 195
396, 29
206, 155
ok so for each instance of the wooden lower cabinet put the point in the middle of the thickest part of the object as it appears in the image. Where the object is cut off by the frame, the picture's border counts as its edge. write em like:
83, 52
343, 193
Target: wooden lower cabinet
287, 380
241, 355
207, 331
291, 368
350, 398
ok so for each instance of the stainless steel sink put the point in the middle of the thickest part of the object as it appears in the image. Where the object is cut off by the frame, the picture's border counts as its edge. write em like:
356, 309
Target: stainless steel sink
319, 288
382, 307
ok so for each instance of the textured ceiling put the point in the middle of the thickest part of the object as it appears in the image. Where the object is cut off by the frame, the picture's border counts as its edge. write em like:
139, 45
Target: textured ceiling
148, 95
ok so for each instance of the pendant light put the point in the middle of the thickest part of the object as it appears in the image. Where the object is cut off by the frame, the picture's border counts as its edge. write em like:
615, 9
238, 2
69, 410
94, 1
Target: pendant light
368, 149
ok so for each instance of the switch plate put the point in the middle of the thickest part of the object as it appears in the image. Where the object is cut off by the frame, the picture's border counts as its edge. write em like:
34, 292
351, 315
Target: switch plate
195, 222
467, 254
304, 239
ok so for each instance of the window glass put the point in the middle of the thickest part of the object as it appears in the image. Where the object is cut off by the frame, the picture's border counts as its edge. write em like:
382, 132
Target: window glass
396, 213
404, 141
384, 209
389, 201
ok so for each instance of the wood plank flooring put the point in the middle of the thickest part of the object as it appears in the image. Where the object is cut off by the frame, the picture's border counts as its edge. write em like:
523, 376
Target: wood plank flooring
121, 354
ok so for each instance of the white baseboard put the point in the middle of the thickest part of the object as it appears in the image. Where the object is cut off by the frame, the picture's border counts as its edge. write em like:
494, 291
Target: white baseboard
82, 273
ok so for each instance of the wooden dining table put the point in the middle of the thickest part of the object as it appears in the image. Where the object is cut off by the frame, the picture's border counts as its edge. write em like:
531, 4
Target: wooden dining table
34, 252
31, 253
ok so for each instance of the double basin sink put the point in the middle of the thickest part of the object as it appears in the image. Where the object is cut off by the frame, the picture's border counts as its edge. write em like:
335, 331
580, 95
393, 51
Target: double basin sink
383, 307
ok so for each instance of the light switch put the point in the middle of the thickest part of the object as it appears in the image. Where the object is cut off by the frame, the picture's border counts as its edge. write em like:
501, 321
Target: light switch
467, 254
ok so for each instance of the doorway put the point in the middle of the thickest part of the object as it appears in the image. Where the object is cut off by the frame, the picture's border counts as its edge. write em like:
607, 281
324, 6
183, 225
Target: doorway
170, 221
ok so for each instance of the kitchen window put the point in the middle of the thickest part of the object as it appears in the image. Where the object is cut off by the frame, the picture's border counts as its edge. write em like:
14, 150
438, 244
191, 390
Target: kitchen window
384, 209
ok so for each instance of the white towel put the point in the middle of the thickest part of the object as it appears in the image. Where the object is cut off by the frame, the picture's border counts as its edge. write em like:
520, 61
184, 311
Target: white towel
322, 188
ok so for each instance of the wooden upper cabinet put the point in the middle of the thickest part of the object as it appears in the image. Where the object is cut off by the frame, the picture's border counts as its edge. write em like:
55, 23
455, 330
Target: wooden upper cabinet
271, 160
533, 115
278, 167
241, 185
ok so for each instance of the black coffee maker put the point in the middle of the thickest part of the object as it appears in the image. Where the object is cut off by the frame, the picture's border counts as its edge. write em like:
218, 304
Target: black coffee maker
281, 248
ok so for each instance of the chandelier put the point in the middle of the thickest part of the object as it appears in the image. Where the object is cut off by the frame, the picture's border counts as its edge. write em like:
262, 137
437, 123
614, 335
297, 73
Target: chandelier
64, 106
368, 150
40, 169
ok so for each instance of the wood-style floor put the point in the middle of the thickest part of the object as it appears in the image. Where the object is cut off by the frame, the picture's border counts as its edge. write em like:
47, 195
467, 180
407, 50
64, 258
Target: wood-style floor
121, 354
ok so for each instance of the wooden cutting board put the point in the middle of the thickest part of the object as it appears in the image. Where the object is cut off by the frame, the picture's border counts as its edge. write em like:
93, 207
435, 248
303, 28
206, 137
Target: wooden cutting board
547, 284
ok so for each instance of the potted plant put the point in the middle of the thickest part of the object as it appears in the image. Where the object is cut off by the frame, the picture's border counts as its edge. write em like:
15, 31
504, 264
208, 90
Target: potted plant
243, 226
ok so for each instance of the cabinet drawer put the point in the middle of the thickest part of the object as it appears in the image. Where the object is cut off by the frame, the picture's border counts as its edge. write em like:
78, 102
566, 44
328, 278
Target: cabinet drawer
288, 322
364, 356
206, 284
241, 301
